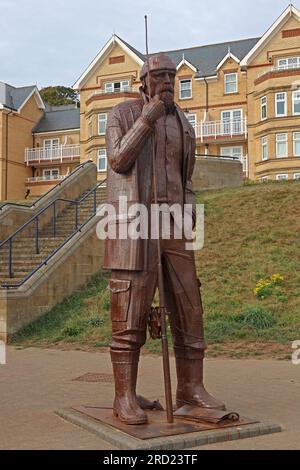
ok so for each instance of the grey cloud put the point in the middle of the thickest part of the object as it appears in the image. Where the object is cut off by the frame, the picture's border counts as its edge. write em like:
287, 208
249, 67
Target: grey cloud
52, 42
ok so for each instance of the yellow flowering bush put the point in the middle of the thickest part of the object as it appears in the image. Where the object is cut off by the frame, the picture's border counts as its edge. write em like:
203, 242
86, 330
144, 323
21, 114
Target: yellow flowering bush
264, 287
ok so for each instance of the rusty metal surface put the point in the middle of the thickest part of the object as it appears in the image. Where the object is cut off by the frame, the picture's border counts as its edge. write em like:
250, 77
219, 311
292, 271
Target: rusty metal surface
151, 155
157, 425
95, 377
196, 413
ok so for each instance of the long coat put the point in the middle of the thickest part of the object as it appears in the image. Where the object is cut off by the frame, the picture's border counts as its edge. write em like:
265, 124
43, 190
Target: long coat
129, 152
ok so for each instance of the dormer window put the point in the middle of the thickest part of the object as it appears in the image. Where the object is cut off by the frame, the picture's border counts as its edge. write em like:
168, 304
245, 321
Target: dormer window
185, 89
230, 83
116, 87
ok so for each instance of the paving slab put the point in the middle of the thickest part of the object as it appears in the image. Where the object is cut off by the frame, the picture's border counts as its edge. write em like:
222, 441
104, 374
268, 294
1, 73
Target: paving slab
36, 382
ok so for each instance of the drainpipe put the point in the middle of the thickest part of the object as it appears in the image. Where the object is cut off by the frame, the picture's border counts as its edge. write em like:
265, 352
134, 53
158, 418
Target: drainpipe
206, 97
206, 111
6, 157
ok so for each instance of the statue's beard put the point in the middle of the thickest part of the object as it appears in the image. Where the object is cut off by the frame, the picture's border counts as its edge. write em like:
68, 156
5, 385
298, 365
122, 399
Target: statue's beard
168, 98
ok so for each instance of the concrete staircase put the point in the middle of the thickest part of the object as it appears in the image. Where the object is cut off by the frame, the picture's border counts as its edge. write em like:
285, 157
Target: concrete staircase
66, 258
24, 257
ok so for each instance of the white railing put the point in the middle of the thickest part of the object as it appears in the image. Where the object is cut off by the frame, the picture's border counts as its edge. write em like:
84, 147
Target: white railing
214, 129
279, 68
57, 153
126, 89
37, 179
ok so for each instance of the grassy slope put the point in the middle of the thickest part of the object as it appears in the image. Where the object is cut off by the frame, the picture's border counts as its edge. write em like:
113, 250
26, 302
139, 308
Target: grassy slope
250, 233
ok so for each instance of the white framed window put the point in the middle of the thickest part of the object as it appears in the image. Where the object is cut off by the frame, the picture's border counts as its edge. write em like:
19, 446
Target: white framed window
282, 177
192, 118
230, 83
51, 174
264, 179
90, 127
116, 87
281, 145
263, 108
232, 121
233, 152
280, 104
185, 89
289, 63
264, 148
102, 120
296, 144
102, 160
50, 143
296, 102
296, 176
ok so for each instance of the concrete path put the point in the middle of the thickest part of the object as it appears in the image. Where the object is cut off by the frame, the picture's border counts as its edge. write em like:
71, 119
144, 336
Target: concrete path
36, 382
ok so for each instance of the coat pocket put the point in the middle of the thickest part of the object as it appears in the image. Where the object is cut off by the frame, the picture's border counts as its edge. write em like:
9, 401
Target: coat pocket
120, 293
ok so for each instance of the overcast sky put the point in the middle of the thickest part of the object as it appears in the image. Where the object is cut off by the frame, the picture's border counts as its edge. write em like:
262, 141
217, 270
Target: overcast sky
51, 42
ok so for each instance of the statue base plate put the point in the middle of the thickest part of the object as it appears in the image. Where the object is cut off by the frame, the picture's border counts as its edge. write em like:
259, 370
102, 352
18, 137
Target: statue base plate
157, 433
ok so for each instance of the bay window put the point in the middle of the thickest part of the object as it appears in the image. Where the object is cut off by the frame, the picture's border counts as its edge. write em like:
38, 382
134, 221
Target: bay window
296, 144
282, 177
280, 104
296, 102
102, 160
102, 120
263, 106
281, 145
264, 148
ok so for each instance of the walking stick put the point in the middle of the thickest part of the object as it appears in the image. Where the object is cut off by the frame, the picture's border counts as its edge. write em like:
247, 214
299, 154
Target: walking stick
162, 308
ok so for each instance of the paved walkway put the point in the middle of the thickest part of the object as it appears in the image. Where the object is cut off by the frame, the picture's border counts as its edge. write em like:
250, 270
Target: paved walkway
36, 382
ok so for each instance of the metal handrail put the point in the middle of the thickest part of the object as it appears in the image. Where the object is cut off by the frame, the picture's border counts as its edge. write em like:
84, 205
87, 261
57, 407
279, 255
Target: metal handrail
49, 191
34, 219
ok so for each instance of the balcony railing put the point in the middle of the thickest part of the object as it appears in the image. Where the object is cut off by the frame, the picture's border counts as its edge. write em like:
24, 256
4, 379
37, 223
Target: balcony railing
127, 89
279, 68
215, 129
38, 179
58, 153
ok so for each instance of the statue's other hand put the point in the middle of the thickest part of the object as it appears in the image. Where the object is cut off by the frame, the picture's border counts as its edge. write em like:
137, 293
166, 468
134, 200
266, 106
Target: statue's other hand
153, 110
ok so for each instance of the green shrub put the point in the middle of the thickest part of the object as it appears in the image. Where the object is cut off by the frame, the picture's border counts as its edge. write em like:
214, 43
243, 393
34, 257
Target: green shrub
257, 317
72, 330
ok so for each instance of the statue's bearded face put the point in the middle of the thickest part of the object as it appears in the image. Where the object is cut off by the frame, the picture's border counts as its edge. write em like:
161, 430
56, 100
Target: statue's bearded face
162, 84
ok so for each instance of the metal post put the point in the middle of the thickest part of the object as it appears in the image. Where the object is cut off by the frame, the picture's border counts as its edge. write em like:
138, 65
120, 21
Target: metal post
10, 259
76, 215
95, 201
161, 290
54, 221
36, 236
